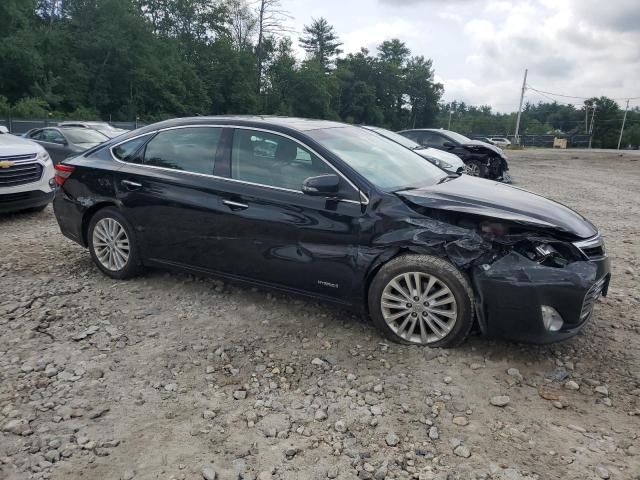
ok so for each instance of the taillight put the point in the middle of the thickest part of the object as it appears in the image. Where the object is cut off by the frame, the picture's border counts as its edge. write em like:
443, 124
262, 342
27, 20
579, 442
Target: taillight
62, 172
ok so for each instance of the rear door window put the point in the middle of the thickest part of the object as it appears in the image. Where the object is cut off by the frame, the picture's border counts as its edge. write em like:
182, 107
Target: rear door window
191, 149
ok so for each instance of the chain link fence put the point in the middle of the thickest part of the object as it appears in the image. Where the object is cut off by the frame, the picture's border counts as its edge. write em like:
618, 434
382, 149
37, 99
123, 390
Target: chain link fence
20, 126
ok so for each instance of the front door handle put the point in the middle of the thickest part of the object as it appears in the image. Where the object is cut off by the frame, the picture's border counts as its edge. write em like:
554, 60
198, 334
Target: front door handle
131, 185
235, 205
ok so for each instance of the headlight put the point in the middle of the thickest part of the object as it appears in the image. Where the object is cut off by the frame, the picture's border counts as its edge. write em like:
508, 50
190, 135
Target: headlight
43, 156
439, 163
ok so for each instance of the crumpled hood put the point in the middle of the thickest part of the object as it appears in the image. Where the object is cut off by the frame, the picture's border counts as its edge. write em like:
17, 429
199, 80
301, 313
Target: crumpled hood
478, 144
476, 196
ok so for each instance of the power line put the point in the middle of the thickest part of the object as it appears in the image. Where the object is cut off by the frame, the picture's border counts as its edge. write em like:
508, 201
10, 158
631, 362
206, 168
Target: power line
529, 87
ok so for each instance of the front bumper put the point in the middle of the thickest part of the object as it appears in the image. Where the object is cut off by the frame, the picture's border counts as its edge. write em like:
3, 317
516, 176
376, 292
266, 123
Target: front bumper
513, 290
14, 202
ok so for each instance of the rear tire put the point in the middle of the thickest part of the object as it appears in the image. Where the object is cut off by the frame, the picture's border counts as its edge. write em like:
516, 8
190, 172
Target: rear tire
421, 300
475, 168
112, 244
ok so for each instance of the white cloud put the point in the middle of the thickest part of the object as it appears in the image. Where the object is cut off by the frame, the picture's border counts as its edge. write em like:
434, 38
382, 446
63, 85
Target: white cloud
480, 48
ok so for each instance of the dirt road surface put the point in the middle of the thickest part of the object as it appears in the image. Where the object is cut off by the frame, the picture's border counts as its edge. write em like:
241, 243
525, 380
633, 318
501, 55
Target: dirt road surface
176, 377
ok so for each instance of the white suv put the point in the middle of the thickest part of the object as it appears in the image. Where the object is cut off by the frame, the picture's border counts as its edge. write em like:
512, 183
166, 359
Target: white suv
26, 175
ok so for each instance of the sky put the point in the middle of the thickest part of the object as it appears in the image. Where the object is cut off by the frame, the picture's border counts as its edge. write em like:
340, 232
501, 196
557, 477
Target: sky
480, 48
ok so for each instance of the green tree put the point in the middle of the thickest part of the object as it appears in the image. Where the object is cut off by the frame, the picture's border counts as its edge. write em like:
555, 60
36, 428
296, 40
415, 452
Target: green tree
321, 42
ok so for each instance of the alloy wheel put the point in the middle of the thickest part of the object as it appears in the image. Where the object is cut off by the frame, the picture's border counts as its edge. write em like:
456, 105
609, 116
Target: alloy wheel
419, 307
111, 244
472, 169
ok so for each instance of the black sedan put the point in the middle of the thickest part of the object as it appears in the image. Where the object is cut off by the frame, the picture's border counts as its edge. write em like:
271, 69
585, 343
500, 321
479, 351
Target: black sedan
61, 142
337, 213
481, 159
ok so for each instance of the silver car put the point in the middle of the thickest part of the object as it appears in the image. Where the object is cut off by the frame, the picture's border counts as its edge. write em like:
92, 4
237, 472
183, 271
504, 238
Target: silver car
446, 161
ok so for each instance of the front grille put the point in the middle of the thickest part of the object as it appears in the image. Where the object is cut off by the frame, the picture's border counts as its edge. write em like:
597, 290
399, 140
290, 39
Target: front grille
593, 248
590, 299
18, 158
19, 173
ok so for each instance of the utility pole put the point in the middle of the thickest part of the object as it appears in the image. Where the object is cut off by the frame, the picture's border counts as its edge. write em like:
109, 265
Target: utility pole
593, 117
450, 113
586, 119
524, 88
624, 119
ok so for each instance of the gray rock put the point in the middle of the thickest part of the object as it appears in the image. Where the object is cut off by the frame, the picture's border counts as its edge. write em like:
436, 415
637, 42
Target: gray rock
240, 394
98, 412
602, 472
340, 426
462, 451
128, 475
433, 433
500, 400
392, 439
52, 456
320, 415
332, 472
571, 385
209, 473
602, 390
17, 426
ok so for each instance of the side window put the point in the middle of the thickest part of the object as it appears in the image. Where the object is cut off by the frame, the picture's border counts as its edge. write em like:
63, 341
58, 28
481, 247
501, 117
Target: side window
411, 136
52, 136
437, 140
272, 160
187, 149
36, 135
126, 151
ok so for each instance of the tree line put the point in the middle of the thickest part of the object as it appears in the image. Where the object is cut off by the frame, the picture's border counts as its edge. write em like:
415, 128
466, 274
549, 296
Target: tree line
155, 59
152, 59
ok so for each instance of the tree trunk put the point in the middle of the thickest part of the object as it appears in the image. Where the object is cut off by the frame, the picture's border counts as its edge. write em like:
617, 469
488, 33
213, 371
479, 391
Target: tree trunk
259, 47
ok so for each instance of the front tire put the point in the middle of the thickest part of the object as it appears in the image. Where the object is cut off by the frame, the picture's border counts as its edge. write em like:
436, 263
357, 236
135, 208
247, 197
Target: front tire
112, 244
421, 300
475, 168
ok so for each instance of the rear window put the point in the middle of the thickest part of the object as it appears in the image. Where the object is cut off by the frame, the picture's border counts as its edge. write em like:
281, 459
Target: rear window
126, 151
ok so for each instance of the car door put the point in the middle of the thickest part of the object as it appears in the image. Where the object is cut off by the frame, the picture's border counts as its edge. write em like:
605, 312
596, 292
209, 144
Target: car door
274, 233
169, 193
55, 143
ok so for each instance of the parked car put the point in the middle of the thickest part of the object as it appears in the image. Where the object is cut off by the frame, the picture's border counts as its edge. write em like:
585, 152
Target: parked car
62, 142
481, 159
3, 130
444, 160
102, 127
26, 175
337, 213
500, 141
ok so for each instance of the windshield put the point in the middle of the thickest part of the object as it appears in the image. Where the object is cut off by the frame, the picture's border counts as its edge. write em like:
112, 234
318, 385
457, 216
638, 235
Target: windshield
396, 137
84, 135
456, 136
384, 163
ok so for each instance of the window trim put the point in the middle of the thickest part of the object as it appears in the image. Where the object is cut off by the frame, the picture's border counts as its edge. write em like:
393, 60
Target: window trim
364, 200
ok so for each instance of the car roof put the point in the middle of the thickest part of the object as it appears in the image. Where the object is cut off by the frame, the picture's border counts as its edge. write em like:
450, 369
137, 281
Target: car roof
291, 123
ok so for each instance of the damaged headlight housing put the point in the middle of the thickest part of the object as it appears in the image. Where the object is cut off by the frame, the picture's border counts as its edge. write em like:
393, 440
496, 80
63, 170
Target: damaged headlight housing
544, 254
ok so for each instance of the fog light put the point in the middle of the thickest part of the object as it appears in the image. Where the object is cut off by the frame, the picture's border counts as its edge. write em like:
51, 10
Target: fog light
551, 318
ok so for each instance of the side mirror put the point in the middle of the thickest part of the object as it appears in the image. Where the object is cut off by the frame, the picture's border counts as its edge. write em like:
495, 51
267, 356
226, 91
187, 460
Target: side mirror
448, 145
323, 185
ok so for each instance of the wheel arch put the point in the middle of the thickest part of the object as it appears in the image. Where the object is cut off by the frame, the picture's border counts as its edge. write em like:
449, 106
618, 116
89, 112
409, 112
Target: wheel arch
385, 257
88, 215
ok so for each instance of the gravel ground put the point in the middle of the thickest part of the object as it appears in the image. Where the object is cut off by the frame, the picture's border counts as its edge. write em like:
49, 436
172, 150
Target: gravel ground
176, 377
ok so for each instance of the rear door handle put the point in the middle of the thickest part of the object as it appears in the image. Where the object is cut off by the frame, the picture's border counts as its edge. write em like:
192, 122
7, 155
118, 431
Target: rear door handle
235, 205
131, 185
